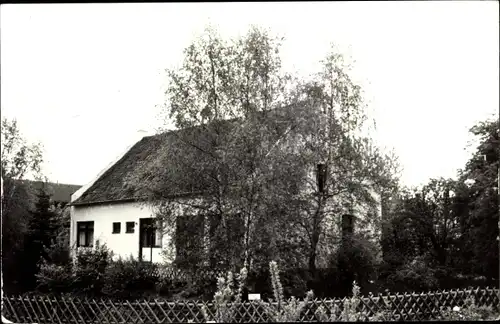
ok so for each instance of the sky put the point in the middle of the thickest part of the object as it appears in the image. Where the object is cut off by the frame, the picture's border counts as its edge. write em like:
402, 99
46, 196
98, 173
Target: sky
88, 80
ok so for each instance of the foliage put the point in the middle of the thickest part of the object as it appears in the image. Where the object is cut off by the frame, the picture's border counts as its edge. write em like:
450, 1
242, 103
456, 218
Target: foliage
244, 124
349, 313
225, 79
59, 252
356, 260
384, 315
478, 211
37, 239
451, 224
55, 269
283, 312
55, 278
425, 221
19, 159
227, 298
416, 275
469, 312
90, 268
167, 286
130, 278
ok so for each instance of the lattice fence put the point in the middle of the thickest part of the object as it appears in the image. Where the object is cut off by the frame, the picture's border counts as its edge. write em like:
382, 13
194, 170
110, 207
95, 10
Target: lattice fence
43, 309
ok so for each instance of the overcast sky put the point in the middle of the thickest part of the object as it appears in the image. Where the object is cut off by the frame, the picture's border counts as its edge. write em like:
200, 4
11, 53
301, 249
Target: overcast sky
83, 79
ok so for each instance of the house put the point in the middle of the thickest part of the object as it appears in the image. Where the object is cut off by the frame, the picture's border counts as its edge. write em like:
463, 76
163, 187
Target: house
110, 210
107, 211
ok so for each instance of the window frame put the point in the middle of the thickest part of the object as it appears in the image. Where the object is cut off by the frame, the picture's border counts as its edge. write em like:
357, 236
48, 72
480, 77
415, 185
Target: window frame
115, 230
151, 238
127, 229
86, 227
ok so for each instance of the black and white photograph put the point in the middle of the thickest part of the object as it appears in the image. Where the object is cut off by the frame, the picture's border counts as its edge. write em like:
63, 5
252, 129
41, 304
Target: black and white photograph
250, 162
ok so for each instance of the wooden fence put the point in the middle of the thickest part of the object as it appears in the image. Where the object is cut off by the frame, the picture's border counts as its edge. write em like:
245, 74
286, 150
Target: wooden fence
44, 309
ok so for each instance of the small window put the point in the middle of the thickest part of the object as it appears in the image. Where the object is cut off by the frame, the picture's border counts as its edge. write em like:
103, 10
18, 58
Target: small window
348, 224
130, 227
321, 177
116, 228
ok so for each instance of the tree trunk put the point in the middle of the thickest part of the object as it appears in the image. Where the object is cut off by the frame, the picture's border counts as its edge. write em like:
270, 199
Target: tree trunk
312, 255
315, 237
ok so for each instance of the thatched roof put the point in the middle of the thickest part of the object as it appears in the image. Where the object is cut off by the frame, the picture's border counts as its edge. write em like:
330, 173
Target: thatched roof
112, 185
147, 156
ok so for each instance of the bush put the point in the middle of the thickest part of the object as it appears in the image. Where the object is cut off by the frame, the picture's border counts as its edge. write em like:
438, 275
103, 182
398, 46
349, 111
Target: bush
59, 252
130, 278
53, 278
349, 313
294, 281
170, 282
469, 312
227, 297
202, 284
89, 270
283, 312
414, 276
355, 260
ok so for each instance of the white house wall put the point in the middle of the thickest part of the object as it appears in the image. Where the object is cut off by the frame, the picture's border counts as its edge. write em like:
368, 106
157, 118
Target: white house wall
122, 244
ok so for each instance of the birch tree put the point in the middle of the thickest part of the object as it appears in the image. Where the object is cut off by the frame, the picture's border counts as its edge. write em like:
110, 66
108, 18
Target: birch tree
19, 159
248, 138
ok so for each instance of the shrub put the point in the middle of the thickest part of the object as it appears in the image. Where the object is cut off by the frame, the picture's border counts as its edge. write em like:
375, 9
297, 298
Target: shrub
349, 313
201, 284
130, 278
283, 312
168, 287
258, 281
293, 280
469, 312
227, 297
354, 260
89, 270
414, 276
53, 278
171, 280
59, 252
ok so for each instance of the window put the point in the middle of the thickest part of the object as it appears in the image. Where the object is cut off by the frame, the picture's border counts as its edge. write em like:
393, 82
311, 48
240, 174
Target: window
321, 175
130, 227
85, 234
347, 225
117, 228
189, 238
205, 238
233, 233
150, 233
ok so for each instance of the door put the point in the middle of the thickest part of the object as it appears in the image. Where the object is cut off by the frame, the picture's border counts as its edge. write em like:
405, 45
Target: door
146, 235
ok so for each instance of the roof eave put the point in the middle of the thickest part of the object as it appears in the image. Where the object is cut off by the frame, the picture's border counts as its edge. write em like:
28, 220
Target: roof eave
138, 199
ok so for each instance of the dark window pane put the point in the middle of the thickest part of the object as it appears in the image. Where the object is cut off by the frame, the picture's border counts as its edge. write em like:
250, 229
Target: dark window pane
130, 227
189, 238
85, 234
116, 228
147, 232
347, 224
